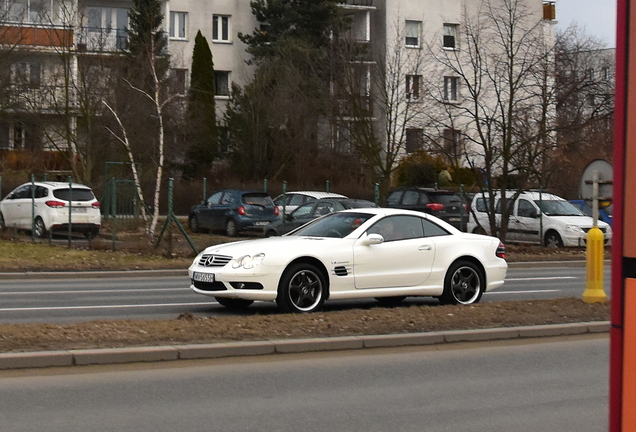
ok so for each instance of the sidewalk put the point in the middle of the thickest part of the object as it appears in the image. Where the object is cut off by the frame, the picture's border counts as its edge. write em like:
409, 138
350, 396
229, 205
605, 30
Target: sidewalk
43, 359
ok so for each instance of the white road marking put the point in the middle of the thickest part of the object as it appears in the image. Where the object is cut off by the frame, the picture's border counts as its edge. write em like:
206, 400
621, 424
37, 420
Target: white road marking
138, 290
31, 309
522, 292
541, 278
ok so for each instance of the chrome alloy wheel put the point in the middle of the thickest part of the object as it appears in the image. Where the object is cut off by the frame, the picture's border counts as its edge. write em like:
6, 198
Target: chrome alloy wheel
465, 285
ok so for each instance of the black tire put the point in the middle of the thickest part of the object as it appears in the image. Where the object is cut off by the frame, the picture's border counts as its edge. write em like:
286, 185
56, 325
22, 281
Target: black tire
553, 240
302, 289
3, 225
91, 234
464, 284
193, 223
39, 230
479, 230
390, 301
234, 303
230, 228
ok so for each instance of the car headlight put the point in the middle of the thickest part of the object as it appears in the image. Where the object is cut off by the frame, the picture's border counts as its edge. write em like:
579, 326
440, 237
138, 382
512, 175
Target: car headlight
574, 228
248, 261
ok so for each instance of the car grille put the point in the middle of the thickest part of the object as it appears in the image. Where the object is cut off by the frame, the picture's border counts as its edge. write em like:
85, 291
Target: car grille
214, 260
209, 286
602, 229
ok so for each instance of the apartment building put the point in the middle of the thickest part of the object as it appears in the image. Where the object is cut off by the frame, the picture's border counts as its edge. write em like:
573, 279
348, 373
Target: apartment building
49, 38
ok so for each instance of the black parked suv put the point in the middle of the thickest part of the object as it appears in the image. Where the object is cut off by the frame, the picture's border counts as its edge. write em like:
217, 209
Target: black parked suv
444, 204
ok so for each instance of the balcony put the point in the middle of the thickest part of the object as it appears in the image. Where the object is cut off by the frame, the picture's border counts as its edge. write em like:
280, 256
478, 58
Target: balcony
362, 3
45, 98
36, 35
102, 40
355, 107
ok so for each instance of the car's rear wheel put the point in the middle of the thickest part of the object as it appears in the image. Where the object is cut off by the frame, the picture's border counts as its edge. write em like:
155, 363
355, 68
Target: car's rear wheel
230, 228
193, 223
390, 301
302, 289
91, 234
3, 226
233, 303
553, 240
39, 230
464, 284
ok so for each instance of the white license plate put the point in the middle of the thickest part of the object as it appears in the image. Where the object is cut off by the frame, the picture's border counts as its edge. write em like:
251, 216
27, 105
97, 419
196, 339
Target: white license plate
78, 209
454, 219
261, 223
203, 277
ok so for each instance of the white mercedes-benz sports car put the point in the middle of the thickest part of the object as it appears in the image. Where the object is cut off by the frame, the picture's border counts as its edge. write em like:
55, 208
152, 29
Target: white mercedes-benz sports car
387, 254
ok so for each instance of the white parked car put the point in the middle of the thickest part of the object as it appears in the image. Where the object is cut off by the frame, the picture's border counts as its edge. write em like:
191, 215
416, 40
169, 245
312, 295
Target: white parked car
44, 206
387, 254
537, 218
293, 200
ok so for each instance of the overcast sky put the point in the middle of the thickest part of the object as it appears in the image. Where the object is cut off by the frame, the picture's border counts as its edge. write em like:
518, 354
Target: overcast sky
598, 17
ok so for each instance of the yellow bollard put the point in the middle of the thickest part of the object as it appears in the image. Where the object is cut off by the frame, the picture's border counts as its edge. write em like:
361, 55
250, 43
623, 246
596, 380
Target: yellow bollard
594, 259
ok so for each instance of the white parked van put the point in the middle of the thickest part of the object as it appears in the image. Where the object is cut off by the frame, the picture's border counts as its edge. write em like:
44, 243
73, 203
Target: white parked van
537, 217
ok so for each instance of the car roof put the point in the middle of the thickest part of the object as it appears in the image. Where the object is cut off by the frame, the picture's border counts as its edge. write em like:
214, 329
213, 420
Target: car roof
56, 184
533, 195
316, 194
424, 189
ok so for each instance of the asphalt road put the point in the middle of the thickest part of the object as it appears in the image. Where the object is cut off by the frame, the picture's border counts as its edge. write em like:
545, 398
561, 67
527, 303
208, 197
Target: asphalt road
557, 384
162, 297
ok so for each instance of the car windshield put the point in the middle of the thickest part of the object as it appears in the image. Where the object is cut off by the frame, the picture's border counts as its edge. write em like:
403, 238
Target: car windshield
336, 225
257, 199
558, 208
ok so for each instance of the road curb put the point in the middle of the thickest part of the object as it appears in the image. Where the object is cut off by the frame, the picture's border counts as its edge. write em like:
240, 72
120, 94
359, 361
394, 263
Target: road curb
43, 359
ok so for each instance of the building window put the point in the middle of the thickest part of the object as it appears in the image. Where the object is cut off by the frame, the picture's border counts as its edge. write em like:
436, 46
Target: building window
589, 74
5, 133
412, 33
414, 140
27, 74
222, 83
450, 88
450, 36
605, 72
413, 86
178, 25
220, 28
452, 143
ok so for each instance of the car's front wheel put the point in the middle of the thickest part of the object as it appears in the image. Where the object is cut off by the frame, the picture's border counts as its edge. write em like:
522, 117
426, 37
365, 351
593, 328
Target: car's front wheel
234, 303
302, 289
464, 284
553, 240
39, 230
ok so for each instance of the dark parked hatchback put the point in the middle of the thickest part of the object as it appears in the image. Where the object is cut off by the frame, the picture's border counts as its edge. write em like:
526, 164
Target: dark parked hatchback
444, 204
232, 211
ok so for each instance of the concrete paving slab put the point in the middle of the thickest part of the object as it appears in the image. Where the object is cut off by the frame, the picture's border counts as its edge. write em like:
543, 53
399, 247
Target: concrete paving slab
38, 359
318, 344
382, 341
233, 349
124, 355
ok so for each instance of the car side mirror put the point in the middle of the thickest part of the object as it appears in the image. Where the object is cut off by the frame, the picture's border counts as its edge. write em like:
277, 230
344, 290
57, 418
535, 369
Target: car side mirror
535, 214
373, 239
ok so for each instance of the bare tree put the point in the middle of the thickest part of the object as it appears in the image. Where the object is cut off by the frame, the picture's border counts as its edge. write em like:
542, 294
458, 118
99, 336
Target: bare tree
378, 98
496, 98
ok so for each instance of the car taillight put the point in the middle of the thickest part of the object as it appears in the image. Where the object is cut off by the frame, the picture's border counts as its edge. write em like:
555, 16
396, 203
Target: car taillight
276, 211
465, 207
96, 205
241, 211
435, 206
55, 204
501, 250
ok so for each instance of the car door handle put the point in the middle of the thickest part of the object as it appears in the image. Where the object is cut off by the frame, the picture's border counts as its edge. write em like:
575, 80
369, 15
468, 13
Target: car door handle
425, 248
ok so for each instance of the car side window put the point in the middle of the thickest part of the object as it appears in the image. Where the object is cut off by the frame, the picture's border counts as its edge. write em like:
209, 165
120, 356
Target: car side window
398, 228
480, 205
23, 192
410, 197
323, 209
394, 198
41, 192
296, 200
431, 229
526, 209
302, 211
215, 199
424, 199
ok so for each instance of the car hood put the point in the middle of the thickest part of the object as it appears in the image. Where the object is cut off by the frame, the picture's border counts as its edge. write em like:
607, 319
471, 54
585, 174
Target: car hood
266, 245
581, 221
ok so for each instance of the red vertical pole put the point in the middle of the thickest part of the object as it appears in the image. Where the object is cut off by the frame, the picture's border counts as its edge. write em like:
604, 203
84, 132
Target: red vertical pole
617, 330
